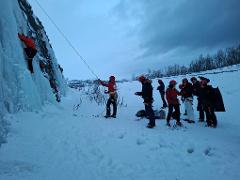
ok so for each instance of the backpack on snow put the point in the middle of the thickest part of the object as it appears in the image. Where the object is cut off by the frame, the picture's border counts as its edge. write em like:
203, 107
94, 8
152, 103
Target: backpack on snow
141, 113
158, 114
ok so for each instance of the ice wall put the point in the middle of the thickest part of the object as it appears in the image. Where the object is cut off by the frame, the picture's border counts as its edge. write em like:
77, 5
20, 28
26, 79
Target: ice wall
19, 90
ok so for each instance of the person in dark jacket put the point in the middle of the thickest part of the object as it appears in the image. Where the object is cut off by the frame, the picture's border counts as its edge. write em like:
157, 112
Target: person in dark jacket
161, 89
196, 89
147, 95
187, 95
111, 85
30, 49
206, 94
183, 100
173, 103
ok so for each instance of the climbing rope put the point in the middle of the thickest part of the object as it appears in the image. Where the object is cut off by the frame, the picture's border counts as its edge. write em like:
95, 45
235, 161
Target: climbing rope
66, 39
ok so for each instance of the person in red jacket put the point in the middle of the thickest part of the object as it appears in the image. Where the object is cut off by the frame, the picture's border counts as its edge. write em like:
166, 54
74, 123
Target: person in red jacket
173, 103
111, 85
30, 49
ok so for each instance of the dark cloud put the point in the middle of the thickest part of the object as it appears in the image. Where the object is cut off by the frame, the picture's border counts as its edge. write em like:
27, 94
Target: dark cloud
131, 36
167, 25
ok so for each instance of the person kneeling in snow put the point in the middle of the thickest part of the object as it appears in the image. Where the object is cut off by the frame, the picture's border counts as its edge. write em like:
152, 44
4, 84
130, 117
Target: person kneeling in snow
146, 93
111, 85
30, 49
173, 103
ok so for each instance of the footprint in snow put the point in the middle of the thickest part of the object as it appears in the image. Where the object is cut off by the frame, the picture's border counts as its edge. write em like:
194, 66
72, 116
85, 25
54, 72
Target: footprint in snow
140, 142
190, 150
16, 167
121, 136
208, 151
154, 148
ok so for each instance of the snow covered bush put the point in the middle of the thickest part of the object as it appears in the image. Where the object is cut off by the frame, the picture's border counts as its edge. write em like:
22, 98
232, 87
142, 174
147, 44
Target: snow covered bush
94, 92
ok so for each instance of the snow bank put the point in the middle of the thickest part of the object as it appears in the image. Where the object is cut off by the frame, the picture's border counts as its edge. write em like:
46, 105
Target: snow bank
62, 142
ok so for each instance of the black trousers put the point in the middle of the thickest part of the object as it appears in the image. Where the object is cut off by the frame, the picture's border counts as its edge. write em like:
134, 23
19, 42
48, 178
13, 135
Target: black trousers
163, 99
113, 101
201, 110
150, 114
30, 52
176, 107
210, 115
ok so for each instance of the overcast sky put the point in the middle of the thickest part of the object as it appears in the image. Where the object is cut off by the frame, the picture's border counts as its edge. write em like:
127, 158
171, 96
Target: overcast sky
125, 37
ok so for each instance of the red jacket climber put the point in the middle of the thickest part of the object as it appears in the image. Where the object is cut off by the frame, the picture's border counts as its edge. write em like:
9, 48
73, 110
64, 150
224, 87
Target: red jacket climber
29, 42
30, 49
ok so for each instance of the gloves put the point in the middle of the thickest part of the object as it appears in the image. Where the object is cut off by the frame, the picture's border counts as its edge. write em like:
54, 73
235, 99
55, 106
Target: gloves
20, 34
138, 93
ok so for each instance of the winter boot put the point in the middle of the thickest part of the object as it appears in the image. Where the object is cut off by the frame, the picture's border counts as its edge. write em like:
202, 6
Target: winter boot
178, 123
191, 121
214, 126
168, 124
107, 116
113, 116
150, 126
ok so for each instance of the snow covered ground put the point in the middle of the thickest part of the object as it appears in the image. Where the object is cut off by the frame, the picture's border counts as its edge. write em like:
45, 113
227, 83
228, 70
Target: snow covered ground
58, 143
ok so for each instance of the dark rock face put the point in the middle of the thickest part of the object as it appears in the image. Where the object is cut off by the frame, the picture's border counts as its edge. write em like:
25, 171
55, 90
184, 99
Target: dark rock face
37, 31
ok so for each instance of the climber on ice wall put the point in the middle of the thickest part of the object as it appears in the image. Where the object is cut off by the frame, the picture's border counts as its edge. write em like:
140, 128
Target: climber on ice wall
30, 49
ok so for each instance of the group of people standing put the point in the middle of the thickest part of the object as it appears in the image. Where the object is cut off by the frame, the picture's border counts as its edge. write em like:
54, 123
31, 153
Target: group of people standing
199, 88
187, 90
